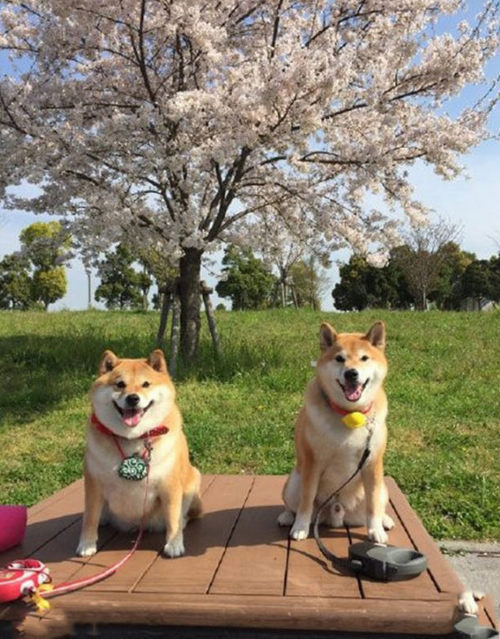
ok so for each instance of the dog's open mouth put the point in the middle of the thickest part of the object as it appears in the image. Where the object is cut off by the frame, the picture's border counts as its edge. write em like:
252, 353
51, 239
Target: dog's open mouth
353, 390
132, 416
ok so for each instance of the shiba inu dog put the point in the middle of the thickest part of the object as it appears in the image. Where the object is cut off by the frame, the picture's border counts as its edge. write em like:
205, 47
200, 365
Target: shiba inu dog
137, 465
345, 399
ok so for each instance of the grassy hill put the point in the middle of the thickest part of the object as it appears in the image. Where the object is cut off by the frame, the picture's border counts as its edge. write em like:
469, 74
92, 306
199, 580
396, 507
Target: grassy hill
239, 411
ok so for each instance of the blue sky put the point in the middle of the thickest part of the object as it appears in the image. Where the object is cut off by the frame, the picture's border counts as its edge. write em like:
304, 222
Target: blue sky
472, 201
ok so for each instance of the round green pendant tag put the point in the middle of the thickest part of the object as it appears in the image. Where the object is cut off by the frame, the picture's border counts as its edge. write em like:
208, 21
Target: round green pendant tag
133, 467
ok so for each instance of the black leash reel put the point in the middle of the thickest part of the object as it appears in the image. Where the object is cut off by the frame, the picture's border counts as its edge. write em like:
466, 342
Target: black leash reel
367, 558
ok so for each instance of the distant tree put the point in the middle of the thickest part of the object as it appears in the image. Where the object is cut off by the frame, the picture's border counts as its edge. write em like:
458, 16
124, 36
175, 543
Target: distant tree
350, 293
49, 285
15, 282
46, 245
495, 277
121, 285
307, 283
159, 268
447, 290
477, 282
422, 256
247, 281
363, 286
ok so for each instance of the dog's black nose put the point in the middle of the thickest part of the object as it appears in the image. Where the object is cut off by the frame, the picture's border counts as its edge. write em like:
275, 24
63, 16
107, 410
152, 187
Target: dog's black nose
351, 375
133, 399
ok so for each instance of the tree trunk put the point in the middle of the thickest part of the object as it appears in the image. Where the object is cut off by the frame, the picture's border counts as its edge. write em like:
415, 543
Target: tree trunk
165, 308
205, 292
174, 336
189, 292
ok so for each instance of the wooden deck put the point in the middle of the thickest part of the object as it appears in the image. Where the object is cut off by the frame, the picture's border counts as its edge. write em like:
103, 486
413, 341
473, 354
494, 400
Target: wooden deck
240, 572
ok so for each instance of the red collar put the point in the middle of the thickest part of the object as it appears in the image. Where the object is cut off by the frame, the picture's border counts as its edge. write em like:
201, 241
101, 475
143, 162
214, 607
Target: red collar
341, 411
154, 432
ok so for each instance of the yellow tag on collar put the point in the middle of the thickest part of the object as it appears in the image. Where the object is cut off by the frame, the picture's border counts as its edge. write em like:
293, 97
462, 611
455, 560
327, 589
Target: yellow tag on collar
354, 420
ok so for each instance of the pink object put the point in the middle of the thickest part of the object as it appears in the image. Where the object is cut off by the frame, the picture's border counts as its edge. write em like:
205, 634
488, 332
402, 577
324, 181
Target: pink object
12, 526
21, 577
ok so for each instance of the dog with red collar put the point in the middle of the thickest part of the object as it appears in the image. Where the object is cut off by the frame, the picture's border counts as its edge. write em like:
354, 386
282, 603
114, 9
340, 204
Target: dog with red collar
137, 470
344, 406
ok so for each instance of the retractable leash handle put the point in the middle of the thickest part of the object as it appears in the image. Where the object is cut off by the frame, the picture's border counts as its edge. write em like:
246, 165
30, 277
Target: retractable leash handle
386, 563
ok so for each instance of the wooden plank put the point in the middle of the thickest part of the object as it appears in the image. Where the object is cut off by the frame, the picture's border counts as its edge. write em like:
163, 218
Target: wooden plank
309, 573
419, 588
205, 541
487, 616
75, 488
31, 625
440, 570
256, 611
255, 557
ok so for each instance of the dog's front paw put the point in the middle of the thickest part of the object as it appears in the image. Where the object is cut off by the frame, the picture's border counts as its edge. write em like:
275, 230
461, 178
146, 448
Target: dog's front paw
174, 548
86, 549
377, 534
300, 529
299, 533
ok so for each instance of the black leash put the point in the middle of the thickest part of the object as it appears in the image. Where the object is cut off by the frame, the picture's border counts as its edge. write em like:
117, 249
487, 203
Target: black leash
338, 561
386, 563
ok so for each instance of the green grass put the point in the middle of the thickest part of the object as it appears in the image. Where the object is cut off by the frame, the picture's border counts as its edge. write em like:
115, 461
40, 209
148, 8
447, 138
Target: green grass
239, 411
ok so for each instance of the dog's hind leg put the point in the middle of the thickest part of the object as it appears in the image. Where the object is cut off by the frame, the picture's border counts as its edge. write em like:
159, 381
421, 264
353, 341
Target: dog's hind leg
291, 497
105, 515
191, 501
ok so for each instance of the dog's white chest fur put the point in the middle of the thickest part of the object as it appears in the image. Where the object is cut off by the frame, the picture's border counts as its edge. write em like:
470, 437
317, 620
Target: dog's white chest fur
126, 498
340, 448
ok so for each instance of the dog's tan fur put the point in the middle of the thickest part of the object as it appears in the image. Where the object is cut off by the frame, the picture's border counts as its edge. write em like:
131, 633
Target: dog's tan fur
327, 451
173, 484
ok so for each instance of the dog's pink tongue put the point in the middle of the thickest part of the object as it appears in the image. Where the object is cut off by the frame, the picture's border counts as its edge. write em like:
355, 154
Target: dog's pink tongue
131, 417
353, 393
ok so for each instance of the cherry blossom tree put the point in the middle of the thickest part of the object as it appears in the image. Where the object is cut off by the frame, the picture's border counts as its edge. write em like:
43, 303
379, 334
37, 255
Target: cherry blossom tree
147, 119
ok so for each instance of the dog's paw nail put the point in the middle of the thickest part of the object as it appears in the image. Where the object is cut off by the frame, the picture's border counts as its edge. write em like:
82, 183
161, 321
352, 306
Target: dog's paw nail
86, 550
285, 518
174, 549
378, 535
299, 533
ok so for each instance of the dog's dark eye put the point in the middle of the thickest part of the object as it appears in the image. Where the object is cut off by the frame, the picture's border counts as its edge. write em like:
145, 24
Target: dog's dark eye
120, 384
365, 358
340, 358
145, 384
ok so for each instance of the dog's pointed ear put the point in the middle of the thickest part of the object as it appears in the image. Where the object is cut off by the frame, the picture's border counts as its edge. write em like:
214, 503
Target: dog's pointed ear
157, 361
327, 336
376, 335
108, 361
